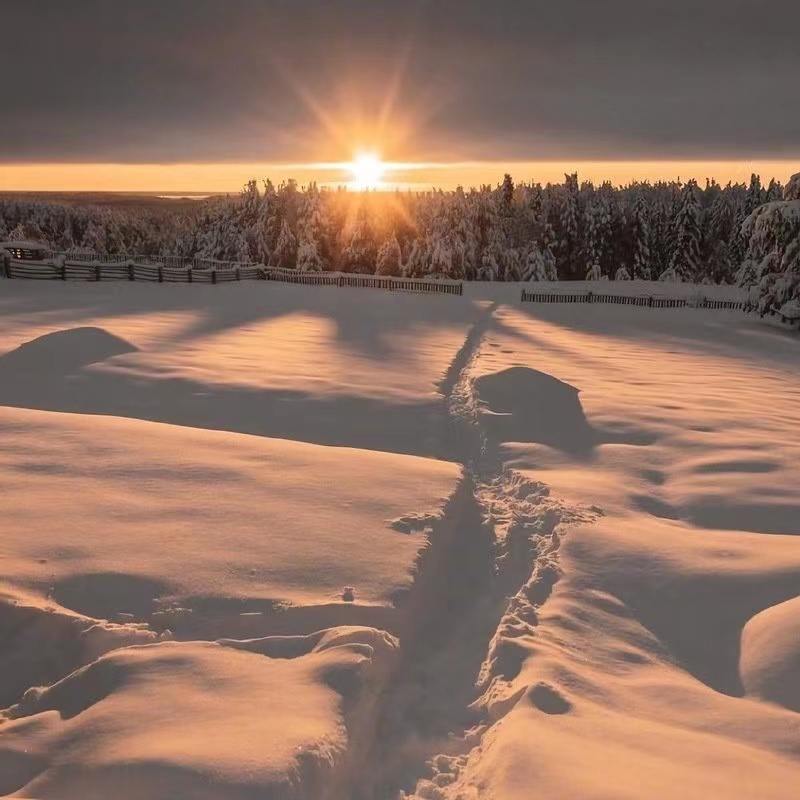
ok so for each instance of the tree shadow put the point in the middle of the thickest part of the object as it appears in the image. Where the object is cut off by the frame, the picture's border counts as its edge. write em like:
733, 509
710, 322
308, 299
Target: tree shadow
366, 321
57, 372
63, 352
696, 331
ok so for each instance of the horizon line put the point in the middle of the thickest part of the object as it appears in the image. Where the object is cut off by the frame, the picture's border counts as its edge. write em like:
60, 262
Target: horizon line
230, 177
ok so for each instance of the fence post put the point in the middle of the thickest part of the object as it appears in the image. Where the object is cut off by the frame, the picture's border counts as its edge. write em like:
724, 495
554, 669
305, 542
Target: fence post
238, 274
97, 274
160, 274
214, 275
64, 271
131, 272
189, 274
589, 297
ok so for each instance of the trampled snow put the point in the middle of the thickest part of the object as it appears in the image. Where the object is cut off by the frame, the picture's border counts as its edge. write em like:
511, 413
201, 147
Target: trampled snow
299, 542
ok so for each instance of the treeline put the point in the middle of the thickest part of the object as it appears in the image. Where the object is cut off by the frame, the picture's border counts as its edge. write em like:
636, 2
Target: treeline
525, 231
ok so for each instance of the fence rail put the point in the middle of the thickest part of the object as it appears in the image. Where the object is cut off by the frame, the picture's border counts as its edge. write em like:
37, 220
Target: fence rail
649, 301
365, 281
227, 272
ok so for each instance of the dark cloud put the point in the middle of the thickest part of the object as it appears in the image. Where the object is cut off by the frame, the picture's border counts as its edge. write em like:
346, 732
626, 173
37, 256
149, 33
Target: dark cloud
276, 80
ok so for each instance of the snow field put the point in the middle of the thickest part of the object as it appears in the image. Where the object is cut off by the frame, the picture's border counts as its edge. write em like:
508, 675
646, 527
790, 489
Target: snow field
587, 584
670, 618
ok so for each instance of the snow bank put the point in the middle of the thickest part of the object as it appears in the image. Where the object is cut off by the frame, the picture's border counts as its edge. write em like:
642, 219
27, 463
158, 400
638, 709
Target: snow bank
39, 646
196, 720
770, 654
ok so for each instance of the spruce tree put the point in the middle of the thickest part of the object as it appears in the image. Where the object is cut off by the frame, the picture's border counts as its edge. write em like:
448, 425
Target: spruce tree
773, 256
569, 247
686, 262
642, 268
755, 194
390, 258
285, 253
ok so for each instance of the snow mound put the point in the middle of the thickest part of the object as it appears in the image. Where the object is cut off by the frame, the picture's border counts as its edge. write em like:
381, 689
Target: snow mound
526, 405
196, 720
770, 655
41, 646
520, 404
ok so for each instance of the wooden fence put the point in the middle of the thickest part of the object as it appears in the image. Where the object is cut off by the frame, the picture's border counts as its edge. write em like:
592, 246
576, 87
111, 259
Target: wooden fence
364, 281
229, 271
649, 301
225, 272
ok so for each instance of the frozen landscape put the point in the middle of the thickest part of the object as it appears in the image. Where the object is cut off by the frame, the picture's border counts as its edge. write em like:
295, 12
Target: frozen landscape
399, 400
271, 541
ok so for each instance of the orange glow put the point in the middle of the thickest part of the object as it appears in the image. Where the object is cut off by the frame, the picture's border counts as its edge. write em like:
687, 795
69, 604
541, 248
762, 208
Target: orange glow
230, 177
367, 170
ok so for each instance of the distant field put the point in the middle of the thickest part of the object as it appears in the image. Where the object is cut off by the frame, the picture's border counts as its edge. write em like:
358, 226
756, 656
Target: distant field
151, 200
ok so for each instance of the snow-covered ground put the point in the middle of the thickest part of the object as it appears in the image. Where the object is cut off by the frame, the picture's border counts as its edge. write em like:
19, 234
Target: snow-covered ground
263, 540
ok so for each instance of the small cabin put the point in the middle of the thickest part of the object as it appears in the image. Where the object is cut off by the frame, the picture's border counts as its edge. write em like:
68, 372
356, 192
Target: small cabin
26, 250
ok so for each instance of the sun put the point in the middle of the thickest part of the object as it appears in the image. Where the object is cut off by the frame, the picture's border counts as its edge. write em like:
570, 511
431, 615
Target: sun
367, 170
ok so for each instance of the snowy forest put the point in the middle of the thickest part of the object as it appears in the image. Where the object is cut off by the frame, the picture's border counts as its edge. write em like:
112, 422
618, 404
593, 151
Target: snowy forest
734, 234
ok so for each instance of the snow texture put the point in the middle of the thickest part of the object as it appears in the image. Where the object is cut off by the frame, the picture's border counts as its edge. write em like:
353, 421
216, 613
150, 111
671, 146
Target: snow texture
278, 541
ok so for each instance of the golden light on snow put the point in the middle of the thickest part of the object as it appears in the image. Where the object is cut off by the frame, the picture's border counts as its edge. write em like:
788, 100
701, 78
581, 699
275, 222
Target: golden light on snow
367, 170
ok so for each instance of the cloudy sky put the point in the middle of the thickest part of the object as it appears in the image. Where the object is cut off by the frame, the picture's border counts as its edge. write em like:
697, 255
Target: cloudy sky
270, 81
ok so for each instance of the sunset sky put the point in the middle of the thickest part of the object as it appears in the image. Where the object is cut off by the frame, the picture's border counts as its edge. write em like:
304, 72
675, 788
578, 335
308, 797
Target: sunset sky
200, 95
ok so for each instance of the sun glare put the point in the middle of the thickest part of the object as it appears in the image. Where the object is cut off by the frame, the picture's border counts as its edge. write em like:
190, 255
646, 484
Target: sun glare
367, 171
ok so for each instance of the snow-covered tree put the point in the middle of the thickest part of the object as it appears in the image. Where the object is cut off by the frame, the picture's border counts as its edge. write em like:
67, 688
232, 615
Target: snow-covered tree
390, 258
717, 240
569, 249
285, 252
594, 273
418, 259
670, 275
597, 228
513, 265
641, 241
622, 274
755, 194
441, 255
308, 256
17, 233
506, 232
685, 262
773, 255
538, 265
359, 254
490, 265
774, 191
